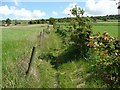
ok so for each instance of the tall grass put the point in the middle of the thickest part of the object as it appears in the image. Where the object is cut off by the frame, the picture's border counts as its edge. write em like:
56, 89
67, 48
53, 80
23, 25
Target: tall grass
17, 44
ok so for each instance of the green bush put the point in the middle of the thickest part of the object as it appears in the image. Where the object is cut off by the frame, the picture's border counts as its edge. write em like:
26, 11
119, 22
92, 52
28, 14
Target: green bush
108, 50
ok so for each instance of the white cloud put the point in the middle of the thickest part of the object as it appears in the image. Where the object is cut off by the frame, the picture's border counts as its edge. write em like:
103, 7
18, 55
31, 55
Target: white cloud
67, 9
5, 10
101, 7
20, 13
54, 13
38, 13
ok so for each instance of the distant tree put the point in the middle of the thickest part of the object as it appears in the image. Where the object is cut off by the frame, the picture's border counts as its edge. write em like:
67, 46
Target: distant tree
38, 21
51, 21
43, 21
34, 22
3, 21
105, 19
8, 21
30, 22
17, 22
93, 18
119, 7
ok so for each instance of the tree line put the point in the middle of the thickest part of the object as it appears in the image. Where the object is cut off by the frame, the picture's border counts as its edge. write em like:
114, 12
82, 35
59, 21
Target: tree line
51, 20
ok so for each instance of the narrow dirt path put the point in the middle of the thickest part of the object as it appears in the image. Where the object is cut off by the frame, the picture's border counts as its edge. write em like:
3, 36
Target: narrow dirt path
56, 83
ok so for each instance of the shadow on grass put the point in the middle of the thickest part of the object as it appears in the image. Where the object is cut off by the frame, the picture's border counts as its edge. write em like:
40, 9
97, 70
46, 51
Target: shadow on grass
70, 54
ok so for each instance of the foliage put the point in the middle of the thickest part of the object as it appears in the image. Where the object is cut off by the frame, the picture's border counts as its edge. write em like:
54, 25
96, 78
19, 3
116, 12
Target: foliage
104, 19
51, 21
31, 22
42, 21
80, 34
108, 50
3, 21
109, 17
119, 7
8, 22
17, 22
64, 33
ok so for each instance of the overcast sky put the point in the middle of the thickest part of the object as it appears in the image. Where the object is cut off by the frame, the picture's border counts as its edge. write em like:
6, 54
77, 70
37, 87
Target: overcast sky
15, 9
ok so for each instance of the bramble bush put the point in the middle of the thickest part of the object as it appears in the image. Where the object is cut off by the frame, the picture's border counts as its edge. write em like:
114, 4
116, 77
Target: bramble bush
108, 50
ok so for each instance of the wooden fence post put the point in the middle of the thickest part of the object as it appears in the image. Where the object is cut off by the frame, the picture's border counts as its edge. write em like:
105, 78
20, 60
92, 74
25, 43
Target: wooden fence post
31, 60
43, 33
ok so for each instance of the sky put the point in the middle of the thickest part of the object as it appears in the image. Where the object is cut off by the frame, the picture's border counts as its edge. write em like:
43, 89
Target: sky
36, 9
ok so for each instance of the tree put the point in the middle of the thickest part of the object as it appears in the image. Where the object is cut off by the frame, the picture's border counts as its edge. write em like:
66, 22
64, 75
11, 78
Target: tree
51, 21
77, 11
43, 21
3, 22
30, 22
37, 21
105, 19
119, 7
8, 21
80, 34
17, 22
82, 12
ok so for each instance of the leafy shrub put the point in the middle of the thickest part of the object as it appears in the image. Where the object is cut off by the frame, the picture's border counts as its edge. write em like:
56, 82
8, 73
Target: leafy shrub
80, 34
108, 50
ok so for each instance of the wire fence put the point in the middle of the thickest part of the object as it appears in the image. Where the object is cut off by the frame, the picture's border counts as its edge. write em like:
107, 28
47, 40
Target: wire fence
29, 54
29, 58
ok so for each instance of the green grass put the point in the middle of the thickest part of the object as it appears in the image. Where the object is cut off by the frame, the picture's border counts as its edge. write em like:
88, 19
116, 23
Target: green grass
78, 74
110, 27
17, 43
106, 24
112, 30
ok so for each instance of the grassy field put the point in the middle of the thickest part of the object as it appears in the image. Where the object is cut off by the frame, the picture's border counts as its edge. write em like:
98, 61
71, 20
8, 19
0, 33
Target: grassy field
17, 43
112, 30
110, 27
